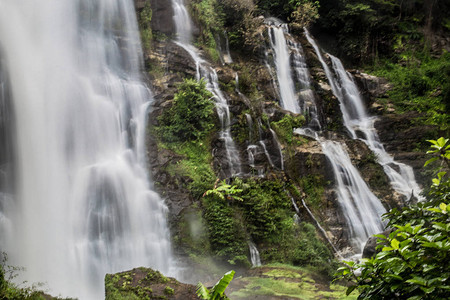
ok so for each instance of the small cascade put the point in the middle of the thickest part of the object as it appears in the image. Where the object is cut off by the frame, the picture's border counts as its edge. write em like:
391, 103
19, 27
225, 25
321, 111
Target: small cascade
254, 254
282, 57
258, 145
277, 143
225, 56
6, 153
356, 200
292, 73
361, 126
357, 121
183, 24
361, 208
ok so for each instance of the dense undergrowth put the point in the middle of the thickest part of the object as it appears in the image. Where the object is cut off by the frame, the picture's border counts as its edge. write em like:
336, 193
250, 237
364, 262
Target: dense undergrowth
421, 83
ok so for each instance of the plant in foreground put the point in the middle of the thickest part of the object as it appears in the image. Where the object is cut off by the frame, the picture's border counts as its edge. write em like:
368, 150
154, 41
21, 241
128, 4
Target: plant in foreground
218, 290
413, 261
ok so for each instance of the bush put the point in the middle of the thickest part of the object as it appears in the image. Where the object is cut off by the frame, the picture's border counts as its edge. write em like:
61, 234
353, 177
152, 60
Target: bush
191, 116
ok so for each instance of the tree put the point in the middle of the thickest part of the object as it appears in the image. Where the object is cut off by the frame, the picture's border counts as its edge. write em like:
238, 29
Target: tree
413, 261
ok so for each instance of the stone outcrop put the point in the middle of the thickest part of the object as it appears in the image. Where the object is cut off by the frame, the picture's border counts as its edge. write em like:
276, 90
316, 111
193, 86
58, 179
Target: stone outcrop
143, 283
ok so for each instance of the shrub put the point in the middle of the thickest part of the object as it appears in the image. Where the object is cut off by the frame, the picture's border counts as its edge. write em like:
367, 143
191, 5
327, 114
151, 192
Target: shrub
191, 116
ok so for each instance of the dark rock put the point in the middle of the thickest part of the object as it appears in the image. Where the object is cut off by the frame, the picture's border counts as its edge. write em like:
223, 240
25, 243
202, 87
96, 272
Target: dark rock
371, 244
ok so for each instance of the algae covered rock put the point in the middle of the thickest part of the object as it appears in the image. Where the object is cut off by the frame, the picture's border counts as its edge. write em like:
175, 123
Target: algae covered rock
144, 283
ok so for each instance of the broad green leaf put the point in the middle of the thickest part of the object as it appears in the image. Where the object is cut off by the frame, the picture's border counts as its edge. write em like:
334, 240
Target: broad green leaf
395, 244
417, 280
222, 284
202, 291
350, 289
430, 161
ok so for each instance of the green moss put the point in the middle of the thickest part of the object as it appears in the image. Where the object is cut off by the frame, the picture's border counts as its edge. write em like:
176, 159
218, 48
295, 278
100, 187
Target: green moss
285, 127
168, 290
145, 19
313, 188
291, 282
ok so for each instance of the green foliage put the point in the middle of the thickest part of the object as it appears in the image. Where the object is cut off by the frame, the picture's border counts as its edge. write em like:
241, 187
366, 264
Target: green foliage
288, 282
413, 261
12, 291
285, 8
285, 127
420, 83
191, 116
367, 29
226, 234
145, 19
225, 191
217, 292
210, 17
313, 188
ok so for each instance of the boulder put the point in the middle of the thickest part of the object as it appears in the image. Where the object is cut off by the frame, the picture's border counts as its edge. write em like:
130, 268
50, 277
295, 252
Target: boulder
143, 283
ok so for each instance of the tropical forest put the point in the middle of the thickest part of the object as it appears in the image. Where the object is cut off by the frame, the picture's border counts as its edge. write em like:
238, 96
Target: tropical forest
224, 149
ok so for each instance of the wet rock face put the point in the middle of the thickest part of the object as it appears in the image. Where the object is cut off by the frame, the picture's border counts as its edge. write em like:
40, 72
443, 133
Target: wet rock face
162, 17
401, 137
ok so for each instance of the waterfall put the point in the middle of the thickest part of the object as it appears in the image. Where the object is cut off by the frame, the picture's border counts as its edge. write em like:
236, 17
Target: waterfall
254, 254
289, 99
292, 73
183, 24
361, 208
82, 206
356, 121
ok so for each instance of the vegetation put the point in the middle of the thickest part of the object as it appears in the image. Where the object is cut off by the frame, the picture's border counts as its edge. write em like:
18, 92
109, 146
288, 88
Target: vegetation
217, 292
412, 262
288, 282
191, 115
12, 291
420, 83
145, 19
369, 28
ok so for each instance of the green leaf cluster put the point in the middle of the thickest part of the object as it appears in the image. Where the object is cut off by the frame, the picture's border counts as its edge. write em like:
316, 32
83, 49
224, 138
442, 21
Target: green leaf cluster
191, 115
420, 83
217, 292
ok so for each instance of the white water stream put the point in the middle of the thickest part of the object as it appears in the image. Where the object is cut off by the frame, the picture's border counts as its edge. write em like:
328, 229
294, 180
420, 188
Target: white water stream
360, 207
183, 25
83, 204
356, 120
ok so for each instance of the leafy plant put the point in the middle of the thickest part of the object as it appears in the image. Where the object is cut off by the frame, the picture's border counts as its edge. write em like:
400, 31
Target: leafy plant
191, 116
225, 191
218, 290
413, 259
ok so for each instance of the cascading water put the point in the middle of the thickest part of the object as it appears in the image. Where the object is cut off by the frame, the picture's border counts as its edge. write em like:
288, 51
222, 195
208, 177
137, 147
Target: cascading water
356, 121
362, 210
286, 86
183, 24
292, 73
83, 204
254, 254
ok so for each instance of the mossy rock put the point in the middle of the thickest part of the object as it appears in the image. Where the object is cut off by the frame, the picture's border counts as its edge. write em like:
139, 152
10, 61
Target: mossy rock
144, 283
